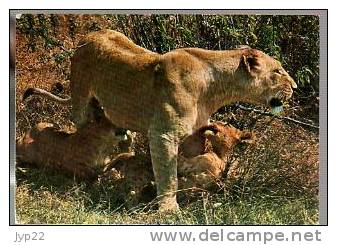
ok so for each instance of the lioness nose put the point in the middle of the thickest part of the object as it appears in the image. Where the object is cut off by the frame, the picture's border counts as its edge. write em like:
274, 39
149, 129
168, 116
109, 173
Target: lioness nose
293, 84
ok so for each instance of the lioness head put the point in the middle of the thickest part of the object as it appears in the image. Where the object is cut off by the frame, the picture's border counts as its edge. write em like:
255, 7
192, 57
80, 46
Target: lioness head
269, 83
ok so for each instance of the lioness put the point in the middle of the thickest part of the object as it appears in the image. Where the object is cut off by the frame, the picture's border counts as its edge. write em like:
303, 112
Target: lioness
167, 96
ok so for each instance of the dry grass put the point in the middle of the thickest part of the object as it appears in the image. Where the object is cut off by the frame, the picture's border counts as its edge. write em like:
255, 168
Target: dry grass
273, 181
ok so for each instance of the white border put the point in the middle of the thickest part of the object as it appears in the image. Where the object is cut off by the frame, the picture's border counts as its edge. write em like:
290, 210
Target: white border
173, 4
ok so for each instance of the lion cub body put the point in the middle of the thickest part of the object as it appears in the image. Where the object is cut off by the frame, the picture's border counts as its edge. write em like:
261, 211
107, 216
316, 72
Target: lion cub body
75, 152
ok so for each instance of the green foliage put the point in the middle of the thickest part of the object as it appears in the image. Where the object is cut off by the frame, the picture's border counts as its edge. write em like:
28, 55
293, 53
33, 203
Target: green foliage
38, 26
304, 75
293, 39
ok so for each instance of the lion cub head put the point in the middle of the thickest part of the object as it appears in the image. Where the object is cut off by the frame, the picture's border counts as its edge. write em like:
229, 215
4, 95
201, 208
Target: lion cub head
222, 138
218, 137
206, 150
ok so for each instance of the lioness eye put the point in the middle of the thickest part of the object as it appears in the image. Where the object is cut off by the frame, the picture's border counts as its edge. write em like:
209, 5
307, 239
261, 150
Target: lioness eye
278, 71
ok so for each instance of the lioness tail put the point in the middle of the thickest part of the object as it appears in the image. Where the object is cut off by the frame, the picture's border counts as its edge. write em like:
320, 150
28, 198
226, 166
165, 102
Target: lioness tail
31, 91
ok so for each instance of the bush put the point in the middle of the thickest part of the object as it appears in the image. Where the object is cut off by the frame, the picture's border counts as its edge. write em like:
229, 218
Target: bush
294, 40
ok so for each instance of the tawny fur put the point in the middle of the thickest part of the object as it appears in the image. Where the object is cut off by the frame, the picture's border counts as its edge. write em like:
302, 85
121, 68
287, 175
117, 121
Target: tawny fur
202, 160
170, 95
79, 153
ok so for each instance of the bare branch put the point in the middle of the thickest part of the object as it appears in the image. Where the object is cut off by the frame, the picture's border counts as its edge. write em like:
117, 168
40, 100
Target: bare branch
275, 116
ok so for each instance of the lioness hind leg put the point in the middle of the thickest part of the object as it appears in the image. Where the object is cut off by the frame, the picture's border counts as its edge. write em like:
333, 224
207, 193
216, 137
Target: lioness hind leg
81, 100
164, 150
87, 109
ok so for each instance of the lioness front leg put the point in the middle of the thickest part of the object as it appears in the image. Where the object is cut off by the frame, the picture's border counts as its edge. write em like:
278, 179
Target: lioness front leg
164, 152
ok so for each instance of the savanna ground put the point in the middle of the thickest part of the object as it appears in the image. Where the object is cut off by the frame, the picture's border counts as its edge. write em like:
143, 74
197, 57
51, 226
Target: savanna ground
276, 177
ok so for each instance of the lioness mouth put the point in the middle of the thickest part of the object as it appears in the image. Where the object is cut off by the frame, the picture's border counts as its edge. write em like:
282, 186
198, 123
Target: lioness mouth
275, 102
276, 106
122, 134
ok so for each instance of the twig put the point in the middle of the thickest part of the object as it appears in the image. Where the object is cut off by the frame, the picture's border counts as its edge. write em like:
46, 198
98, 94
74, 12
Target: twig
275, 116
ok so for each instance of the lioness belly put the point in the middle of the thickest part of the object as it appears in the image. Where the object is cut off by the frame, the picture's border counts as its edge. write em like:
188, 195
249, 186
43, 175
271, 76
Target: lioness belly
127, 102
126, 96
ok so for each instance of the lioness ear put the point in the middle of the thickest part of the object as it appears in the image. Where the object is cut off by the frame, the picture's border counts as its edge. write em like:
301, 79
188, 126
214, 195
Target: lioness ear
250, 63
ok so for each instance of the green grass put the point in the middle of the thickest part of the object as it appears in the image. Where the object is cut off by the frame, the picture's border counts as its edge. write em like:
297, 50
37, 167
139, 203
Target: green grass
50, 198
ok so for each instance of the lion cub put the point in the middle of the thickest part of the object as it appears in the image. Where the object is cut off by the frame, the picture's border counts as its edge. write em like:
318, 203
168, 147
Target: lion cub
203, 156
202, 159
80, 152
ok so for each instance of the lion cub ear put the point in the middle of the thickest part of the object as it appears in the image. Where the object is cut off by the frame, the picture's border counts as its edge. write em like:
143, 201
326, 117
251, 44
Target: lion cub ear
247, 137
209, 133
210, 130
